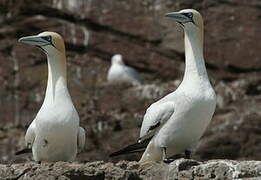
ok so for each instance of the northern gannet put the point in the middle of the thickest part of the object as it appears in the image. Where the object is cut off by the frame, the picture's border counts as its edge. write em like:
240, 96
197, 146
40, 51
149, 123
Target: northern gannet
54, 134
174, 124
121, 73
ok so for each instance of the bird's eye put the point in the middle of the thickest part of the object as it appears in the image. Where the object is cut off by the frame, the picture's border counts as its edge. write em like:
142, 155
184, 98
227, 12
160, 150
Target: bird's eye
47, 38
190, 15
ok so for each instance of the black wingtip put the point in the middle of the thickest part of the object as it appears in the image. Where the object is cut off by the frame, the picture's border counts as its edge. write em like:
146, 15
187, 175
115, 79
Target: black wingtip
114, 154
133, 148
120, 152
23, 151
124, 151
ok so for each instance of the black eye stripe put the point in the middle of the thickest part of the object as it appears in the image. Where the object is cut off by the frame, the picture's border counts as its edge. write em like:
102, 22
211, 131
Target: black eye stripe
47, 38
189, 15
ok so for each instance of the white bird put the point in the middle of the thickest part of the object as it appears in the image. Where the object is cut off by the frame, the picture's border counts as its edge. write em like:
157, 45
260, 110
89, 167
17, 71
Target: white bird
174, 124
121, 73
54, 134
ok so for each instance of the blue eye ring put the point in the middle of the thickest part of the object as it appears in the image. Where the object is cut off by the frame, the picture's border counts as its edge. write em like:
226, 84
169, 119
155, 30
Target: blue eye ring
47, 38
189, 15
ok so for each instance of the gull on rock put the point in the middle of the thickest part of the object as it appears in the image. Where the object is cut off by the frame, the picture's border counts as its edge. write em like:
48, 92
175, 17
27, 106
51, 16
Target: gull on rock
174, 124
54, 134
121, 73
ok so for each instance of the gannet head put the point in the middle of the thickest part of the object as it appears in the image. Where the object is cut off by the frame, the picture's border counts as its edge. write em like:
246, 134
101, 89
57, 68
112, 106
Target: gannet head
117, 59
190, 19
50, 42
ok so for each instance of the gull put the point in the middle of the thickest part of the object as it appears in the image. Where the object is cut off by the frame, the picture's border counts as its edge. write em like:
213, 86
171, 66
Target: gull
54, 134
174, 124
121, 73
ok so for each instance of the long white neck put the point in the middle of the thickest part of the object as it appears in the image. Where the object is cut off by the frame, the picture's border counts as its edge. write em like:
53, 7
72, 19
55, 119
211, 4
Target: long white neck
57, 82
194, 61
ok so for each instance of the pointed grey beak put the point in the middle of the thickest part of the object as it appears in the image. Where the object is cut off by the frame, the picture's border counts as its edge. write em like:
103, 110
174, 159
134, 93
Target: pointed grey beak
34, 40
179, 17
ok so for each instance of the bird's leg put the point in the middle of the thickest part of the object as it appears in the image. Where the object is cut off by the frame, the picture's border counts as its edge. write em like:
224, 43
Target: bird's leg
164, 149
187, 154
165, 159
172, 158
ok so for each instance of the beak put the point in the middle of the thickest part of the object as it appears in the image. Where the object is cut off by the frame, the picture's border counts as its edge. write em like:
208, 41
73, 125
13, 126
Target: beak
179, 17
34, 40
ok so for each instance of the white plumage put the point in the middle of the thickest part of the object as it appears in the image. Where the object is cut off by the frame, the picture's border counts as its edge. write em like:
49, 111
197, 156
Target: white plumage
175, 123
182, 116
54, 134
121, 73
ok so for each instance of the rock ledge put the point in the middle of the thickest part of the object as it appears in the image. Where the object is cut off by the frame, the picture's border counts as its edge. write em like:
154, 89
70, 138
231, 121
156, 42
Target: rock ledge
179, 169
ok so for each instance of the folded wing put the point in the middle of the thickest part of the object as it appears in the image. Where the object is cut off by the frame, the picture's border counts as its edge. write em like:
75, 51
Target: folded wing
81, 139
155, 117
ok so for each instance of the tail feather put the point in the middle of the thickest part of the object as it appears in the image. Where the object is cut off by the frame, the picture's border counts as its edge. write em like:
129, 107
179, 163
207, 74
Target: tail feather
133, 148
24, 151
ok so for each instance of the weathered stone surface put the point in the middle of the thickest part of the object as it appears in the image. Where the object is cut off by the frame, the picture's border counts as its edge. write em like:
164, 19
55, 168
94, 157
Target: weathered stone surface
179, 169
112, 115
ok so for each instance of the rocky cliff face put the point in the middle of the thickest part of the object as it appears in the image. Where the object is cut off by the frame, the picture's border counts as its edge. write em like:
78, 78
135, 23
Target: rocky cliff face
112, 115
178, 170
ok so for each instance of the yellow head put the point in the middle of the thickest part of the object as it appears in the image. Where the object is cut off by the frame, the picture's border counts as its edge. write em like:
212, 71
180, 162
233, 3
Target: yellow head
190, 19
50, 42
